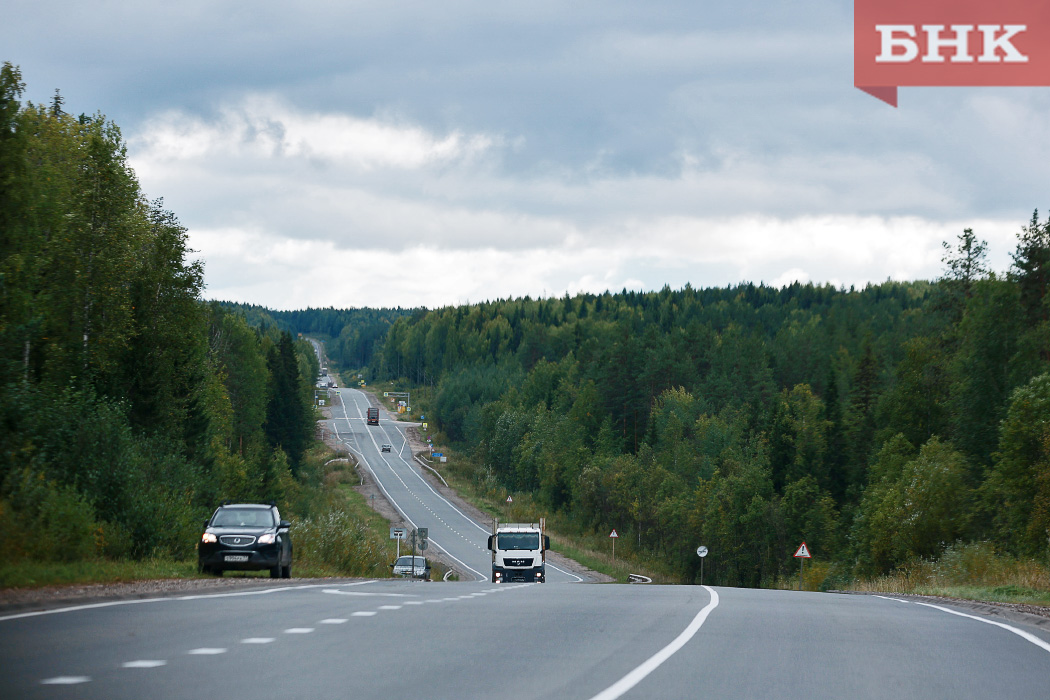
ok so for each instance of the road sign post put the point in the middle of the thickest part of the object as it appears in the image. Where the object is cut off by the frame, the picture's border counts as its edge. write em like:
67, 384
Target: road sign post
802, 554
398, 533
613, 536
701, 552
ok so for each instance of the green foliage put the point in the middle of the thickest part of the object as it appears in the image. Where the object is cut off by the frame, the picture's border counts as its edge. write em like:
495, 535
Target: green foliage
915, 507
863, 420
1018, 490
43, 520
128, 408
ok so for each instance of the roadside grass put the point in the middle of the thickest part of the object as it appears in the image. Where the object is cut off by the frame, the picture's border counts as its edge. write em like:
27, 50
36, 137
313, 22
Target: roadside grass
35, 574
973, 571
592, 550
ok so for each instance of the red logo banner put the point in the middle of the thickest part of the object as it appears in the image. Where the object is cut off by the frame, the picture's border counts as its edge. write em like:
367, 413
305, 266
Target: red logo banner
949, 42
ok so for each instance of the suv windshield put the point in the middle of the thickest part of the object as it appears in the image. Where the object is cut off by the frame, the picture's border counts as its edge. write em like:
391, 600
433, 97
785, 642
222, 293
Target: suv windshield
519, 540
243, 517
407, 561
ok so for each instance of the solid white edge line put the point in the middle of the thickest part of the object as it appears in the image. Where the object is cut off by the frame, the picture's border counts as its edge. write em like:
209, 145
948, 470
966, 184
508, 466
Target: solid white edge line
482, 577
202, 596
653, 662
1020, 633
360, 455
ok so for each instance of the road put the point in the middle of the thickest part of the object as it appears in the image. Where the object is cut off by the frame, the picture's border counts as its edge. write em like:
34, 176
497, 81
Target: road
452, 531
403, 639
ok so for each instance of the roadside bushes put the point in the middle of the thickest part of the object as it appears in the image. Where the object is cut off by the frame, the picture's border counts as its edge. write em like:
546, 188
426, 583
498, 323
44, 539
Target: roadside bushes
42, 520
335, 539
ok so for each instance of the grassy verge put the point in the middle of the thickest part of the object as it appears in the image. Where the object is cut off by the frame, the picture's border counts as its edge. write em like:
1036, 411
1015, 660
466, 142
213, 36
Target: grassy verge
34, 574
972, 571
334, 533
589, 549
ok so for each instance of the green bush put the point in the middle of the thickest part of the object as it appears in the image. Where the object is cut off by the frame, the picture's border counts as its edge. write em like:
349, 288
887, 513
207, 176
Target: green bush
336, 539
44, 521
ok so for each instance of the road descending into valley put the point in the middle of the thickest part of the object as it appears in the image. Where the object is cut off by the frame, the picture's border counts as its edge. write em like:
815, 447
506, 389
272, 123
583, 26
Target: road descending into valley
466, 640
452, 531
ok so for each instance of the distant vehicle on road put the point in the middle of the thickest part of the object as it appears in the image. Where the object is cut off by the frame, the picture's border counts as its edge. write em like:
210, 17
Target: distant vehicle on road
385, 448
245, 537
411, 567
373, 416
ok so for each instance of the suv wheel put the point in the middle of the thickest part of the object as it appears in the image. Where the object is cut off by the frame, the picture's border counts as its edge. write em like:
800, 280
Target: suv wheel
275, 572
286, 572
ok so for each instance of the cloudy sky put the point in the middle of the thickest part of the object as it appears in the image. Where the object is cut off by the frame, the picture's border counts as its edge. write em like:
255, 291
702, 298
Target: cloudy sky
429, 153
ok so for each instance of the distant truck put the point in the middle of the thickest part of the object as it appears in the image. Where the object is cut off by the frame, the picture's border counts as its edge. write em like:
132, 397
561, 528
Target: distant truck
373, 416
519, 552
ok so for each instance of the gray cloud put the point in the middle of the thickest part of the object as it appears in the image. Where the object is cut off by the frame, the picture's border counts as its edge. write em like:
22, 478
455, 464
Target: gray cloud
508, 135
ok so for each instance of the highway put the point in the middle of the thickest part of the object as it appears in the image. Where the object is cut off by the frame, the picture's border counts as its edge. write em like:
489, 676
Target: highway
403, 639
452, 531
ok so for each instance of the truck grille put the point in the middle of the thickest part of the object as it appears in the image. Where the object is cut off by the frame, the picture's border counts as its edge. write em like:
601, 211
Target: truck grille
518, 562
237, 540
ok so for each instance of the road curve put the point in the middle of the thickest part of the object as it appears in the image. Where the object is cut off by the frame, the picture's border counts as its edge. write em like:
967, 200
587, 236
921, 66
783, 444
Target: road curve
401, 639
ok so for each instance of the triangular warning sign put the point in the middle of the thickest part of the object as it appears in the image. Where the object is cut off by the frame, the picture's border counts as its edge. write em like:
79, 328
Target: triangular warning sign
613, 534
803, 552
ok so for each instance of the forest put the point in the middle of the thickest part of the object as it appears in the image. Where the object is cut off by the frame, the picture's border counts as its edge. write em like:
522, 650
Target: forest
129, 407
880, 425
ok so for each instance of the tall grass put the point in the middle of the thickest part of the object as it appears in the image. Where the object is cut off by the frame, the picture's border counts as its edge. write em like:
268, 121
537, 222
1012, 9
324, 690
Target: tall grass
973, 571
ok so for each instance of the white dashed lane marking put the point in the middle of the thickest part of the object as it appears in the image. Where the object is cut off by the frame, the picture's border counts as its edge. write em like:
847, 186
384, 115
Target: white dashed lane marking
214, 651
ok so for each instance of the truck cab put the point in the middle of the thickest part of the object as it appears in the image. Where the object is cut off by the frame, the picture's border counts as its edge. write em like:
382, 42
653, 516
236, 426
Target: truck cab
373, 416
519, 552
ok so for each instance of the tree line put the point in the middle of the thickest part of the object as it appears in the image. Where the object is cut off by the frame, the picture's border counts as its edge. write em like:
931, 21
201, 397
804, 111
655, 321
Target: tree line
877, 424
129, 407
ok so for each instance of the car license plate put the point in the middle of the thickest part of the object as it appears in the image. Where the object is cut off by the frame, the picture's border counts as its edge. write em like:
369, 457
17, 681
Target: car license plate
236, 557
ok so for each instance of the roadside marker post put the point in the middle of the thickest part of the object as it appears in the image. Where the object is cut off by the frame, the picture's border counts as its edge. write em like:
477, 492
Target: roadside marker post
701, 552
802, 555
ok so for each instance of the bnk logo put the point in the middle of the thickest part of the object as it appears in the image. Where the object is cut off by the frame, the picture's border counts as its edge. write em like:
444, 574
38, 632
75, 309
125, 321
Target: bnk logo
949, 42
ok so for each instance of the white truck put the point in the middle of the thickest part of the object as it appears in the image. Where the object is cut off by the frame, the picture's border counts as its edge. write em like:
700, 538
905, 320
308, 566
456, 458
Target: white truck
519, 552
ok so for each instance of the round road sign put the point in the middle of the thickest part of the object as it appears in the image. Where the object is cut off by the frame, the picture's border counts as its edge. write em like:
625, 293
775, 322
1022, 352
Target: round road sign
701, 551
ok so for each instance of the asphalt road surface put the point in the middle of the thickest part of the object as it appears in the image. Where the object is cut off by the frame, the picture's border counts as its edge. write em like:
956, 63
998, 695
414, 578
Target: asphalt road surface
462, 539
460, 641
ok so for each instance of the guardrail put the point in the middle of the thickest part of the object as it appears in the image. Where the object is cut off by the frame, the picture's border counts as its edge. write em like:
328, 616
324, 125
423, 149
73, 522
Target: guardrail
427, 466
638, 578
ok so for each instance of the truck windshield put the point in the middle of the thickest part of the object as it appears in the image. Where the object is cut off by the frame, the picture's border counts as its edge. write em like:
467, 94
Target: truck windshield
519, 540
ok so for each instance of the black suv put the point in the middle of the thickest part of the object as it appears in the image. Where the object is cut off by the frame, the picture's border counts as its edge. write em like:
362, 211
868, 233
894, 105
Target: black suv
245, 537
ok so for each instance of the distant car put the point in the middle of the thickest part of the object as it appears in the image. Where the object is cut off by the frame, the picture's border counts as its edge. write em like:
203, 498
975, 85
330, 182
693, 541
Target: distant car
385, 448
245, 537
414, 567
